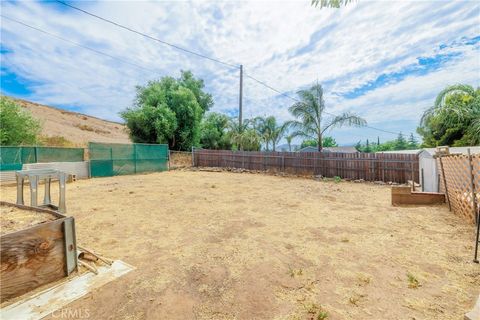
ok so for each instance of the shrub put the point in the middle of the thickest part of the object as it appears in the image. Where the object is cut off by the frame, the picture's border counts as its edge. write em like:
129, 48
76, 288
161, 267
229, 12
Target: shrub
17, 126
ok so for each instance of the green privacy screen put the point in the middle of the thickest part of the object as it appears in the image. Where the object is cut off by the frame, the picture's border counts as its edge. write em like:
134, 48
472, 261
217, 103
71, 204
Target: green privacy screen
109, 159
12, 158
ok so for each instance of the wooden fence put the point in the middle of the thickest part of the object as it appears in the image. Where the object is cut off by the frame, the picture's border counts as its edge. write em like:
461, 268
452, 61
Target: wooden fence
460, 181
367, 166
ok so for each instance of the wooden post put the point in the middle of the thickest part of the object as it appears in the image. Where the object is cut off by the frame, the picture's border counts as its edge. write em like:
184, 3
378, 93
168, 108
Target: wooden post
383, 167
472, 186
445, 184
413, 176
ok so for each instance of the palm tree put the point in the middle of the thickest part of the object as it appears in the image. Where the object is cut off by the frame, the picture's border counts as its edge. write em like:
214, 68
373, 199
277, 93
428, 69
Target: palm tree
310, 111
330, 3
244, 137
289, 139
269, 131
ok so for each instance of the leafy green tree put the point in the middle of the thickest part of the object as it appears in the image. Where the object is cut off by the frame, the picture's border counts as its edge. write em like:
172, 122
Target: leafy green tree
169, 111
412, 142
401, 142
17, 126
214, 132
454, 119
327, 142
204, 99
310, 123
367, 147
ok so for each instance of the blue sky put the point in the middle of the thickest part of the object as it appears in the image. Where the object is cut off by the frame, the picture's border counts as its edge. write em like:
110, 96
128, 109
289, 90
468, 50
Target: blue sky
385, 61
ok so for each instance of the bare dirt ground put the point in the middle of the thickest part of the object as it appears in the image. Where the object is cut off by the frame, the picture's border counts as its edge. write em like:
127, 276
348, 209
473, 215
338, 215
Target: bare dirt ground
78, 129
212, 245
14, 219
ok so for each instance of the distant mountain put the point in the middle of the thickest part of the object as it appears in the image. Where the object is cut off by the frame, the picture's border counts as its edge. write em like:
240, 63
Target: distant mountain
284, 147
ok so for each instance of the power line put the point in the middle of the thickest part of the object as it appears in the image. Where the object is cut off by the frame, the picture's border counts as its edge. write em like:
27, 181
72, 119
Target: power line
297, 100
148, 36
165, 43
76, 43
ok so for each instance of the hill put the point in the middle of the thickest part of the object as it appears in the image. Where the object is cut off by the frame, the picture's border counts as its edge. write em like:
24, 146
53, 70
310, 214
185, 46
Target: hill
67, 128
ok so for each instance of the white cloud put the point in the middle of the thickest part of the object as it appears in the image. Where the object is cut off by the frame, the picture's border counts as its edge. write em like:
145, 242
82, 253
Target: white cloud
287, 44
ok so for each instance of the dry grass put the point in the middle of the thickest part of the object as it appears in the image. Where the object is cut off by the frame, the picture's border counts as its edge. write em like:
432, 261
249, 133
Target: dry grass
78, 128
266, 247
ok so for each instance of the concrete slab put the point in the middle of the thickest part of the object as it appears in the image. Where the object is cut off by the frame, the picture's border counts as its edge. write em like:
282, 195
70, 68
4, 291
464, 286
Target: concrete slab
475, 313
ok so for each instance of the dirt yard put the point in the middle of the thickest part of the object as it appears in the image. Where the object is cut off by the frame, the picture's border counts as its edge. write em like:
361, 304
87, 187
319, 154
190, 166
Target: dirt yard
212, 245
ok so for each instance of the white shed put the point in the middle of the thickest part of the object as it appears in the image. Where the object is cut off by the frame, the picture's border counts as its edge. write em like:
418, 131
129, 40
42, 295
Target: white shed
428, 164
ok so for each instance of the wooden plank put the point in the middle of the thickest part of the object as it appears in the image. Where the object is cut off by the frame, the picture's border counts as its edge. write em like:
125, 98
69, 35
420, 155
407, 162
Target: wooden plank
57, 297
31, 258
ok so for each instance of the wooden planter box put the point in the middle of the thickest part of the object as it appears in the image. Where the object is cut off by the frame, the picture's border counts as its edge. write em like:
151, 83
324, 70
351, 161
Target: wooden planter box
36, 255
405, 196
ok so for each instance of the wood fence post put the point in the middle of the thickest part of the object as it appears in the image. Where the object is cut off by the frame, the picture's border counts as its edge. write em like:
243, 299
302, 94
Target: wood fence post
472, 185
383, 167
445, 184
413, 176
193, 157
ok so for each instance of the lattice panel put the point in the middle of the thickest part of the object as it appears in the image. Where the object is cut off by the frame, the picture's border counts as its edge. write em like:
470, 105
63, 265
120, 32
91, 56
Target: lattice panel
458, 178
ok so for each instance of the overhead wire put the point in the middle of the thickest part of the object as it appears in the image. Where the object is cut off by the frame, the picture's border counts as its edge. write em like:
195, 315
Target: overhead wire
263, 83
149, 36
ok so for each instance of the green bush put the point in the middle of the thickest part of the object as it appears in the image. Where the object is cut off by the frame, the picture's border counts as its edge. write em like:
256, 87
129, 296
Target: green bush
17, 126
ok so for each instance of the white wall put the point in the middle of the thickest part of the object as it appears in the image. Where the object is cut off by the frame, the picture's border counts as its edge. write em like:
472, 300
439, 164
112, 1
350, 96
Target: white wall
80, 169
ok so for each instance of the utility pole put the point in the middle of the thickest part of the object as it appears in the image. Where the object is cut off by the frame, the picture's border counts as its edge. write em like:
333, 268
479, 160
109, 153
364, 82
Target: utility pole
240, 99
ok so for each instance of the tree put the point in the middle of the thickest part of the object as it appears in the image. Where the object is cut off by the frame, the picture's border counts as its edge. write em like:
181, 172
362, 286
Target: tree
270, 131
401, 142
243, 137
204, 99
367, 147
17, 126
330, 3
169, 111
214, 132
412, 142
454, 119
327, 142
310, 121
289, 139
